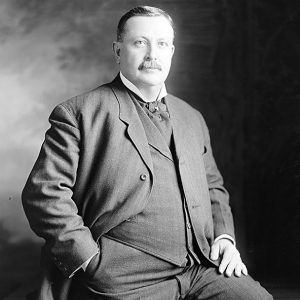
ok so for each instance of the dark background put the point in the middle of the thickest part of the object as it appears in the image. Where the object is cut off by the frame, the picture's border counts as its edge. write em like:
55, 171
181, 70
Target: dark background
238, 62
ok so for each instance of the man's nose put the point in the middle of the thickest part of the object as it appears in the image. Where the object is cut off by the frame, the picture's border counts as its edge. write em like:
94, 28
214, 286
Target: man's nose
151, 52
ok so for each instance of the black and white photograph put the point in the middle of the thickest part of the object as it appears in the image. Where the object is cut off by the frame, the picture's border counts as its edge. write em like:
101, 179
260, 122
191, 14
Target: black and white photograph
149, 149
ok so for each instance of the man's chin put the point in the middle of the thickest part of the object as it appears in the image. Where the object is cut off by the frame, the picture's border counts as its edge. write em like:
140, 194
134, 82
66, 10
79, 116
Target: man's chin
152, 83
153, 78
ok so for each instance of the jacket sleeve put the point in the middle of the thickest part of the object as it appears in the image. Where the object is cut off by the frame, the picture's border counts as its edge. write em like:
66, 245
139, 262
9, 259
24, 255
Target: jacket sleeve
219, 197
47, 195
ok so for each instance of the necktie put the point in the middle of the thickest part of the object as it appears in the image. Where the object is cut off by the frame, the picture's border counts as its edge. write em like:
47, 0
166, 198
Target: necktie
156, 109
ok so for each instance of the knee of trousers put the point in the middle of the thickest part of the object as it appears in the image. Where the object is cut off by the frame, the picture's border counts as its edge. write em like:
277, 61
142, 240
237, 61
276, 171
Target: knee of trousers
251, 292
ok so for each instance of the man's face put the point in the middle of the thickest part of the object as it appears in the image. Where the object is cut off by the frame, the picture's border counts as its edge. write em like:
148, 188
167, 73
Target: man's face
145, 54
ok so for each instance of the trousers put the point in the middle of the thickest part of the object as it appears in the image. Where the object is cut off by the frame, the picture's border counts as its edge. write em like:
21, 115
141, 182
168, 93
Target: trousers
127, 273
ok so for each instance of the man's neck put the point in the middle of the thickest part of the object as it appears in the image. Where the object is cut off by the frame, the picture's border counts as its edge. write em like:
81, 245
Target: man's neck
147, 94
151, 93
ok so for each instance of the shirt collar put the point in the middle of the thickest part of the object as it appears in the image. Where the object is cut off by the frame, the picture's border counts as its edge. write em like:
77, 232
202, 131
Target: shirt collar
134, 89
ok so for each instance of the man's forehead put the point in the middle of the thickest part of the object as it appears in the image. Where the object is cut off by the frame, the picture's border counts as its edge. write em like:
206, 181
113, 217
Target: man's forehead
143, 25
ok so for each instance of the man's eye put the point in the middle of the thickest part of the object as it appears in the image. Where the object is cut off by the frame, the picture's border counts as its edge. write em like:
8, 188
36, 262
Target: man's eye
139, 43
163, 44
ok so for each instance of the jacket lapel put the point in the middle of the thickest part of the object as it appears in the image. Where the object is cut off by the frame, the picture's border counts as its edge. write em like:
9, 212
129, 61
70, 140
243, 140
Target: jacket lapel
129, 116
181, 131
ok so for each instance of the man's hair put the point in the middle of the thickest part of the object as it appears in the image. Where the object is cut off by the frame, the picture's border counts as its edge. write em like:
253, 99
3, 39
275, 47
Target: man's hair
147, 11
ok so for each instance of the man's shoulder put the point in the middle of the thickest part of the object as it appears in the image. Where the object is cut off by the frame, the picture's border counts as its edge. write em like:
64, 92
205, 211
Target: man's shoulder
88, 104
100, 96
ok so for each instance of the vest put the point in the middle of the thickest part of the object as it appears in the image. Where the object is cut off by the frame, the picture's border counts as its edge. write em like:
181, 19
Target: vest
163, 228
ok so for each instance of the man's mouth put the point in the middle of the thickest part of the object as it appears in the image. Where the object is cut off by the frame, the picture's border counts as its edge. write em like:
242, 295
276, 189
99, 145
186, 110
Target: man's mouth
150, 65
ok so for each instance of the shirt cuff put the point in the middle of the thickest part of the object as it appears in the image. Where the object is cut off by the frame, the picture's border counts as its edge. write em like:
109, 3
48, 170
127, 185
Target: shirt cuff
84, 265
225, 236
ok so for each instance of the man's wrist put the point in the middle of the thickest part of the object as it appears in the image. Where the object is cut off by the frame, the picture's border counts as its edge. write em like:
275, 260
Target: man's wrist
225, 236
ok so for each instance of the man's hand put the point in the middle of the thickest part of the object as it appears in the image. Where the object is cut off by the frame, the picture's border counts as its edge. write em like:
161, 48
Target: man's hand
230, 258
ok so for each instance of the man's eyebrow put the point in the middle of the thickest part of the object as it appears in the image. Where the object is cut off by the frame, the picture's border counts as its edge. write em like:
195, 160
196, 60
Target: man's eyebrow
146, 38
136, 37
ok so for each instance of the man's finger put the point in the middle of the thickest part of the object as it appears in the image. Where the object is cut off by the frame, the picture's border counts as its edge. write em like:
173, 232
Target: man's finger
231, 265
214, 252
244, 269
225, 261
238, 269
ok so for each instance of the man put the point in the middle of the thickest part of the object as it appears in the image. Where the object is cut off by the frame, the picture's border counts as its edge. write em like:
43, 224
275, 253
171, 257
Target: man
126, 192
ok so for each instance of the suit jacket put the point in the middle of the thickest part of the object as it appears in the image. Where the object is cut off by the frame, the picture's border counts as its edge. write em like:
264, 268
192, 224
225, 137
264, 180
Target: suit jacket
94, 171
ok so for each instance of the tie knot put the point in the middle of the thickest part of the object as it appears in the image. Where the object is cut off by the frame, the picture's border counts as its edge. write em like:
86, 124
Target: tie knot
158, 109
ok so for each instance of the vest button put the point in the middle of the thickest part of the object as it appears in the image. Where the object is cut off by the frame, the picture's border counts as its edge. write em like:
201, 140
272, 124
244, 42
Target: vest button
143, 177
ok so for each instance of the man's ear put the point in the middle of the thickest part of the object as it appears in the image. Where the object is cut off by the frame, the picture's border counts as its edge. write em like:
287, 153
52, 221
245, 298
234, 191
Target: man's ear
116, 49
173, 49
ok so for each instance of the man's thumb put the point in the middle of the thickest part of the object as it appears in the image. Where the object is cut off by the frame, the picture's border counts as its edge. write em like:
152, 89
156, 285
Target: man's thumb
214, 252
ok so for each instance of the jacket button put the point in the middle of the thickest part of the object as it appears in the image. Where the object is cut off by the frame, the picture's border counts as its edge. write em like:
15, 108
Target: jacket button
143, 177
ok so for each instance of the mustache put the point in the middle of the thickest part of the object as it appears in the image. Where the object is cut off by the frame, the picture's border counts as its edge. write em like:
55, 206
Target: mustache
150, 64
